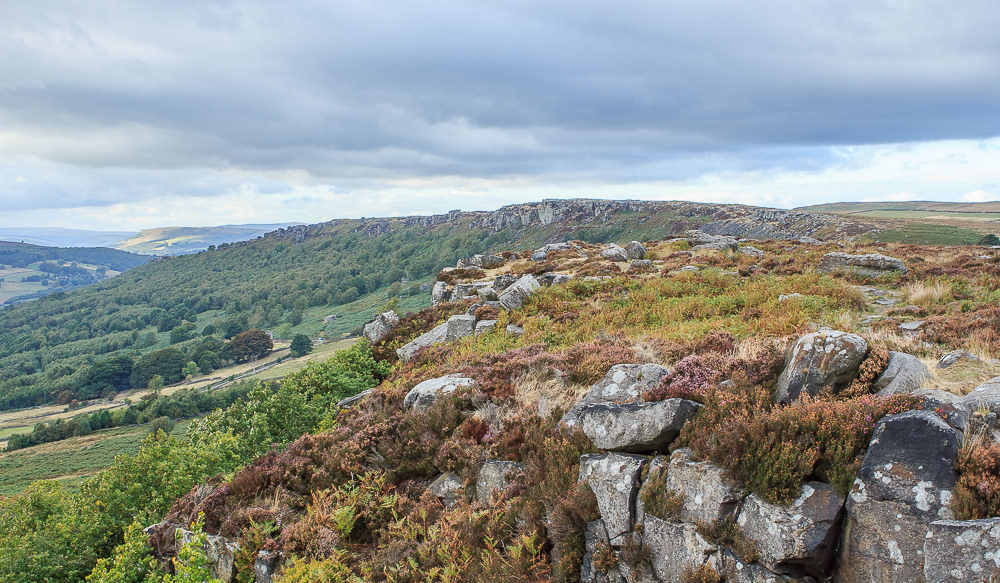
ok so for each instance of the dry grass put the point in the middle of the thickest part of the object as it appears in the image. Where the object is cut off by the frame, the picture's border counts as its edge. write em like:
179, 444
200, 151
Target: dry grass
927, 295
547, 390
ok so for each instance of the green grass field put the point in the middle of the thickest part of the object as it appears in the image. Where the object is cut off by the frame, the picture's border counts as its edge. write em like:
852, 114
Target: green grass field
928, 233
71, 460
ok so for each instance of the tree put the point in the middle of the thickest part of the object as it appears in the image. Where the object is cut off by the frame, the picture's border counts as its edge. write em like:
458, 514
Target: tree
990, 239
156, 384
167, 362
301, 345
250, 345
190, 369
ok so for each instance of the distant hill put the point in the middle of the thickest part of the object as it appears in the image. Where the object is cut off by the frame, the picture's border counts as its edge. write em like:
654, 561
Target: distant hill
32, 271
59, 237
183, 240
921, 221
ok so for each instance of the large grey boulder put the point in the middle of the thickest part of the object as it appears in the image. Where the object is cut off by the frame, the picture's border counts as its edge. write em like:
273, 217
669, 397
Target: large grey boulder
956, 551
485, 326
750, 251
515, 295
380, 327
828, 358
947, 406
440, 293
635, 427
481, 261
796, 538
614, 479
701, 240
448, 488
985, 396
494, 478
905, 483
503, 281
219, 551
542, 253
623, 383
635, 250
421, 397
436, 336
902, 375
870, 265
615, 253
709, 495
675, 548
956, 356
460, 326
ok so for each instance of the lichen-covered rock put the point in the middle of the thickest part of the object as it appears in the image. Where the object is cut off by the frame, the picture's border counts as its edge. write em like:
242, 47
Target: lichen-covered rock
436, 336
614, 479
551, 278
597, 544
513, 330
675, 548
635, 427
828, 358
265, 566
494, 478
448, 488
503, 281
956, 551
219, 552
985, 396
956, 356
440, 293
482, 261
947, 406
635, 250
709, 494
796, 538
902, 375
514, 296
735, 570
615, 253
484, 326
905, 483
750, 251
487, 293
623, 383
870, 265
421, 397
640, 264
380, 327
542, 253
460, 326
701, 240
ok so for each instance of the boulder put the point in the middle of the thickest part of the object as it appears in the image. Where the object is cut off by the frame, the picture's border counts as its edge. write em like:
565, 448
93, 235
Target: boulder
701, 240
421, 397
514, 296
513, 330
460, 326
436, 336
709, 494
675, 548
440, 293
542, 253
503, 281
635, 427
615, 253
641, 264
623, 383
870, 265
905, 483
912, 325
380, 327
956, 551
487, 293
484, 326
750, 251
797, 538
482, 261
985, 396
551, 278
448, 488
786, 297
735, 570
470, 289
494, 478
265, 566
956, 356
614, 479
598, 546
635, 250
947, 406
219, 552
828, 358
902, 375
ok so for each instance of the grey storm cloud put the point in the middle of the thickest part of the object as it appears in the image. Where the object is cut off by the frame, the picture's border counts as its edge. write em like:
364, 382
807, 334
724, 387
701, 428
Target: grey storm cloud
368, 90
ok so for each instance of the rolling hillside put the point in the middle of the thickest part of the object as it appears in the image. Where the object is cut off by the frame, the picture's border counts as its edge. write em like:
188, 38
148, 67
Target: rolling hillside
183, 240
922, 221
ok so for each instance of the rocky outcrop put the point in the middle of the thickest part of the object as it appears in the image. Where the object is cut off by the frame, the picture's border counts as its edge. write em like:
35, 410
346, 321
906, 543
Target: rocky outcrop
436, 335
494, 478
956, 356
985, 396
265, 566
623, 383
870, 265
480, 261
709, 495
702, 240
380, 327
635, 427
219, 552
421, 397
515, 295
796, 538
460, 326
750, 251
542, 253
904, 484
902, 375
615, 253
448, 488
828, 358
440, 293
675, 548
956, 551
614, 479
597, 544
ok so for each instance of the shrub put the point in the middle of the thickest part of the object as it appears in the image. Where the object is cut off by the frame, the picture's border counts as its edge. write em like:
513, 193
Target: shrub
703, 574
977, 490
725, 532
657, 499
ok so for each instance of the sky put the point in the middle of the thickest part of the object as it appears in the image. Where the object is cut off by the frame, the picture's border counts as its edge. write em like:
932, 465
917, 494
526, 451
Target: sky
125, 115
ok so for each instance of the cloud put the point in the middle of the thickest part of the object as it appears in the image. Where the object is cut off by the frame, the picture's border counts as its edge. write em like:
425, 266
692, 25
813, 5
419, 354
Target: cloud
109, 103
